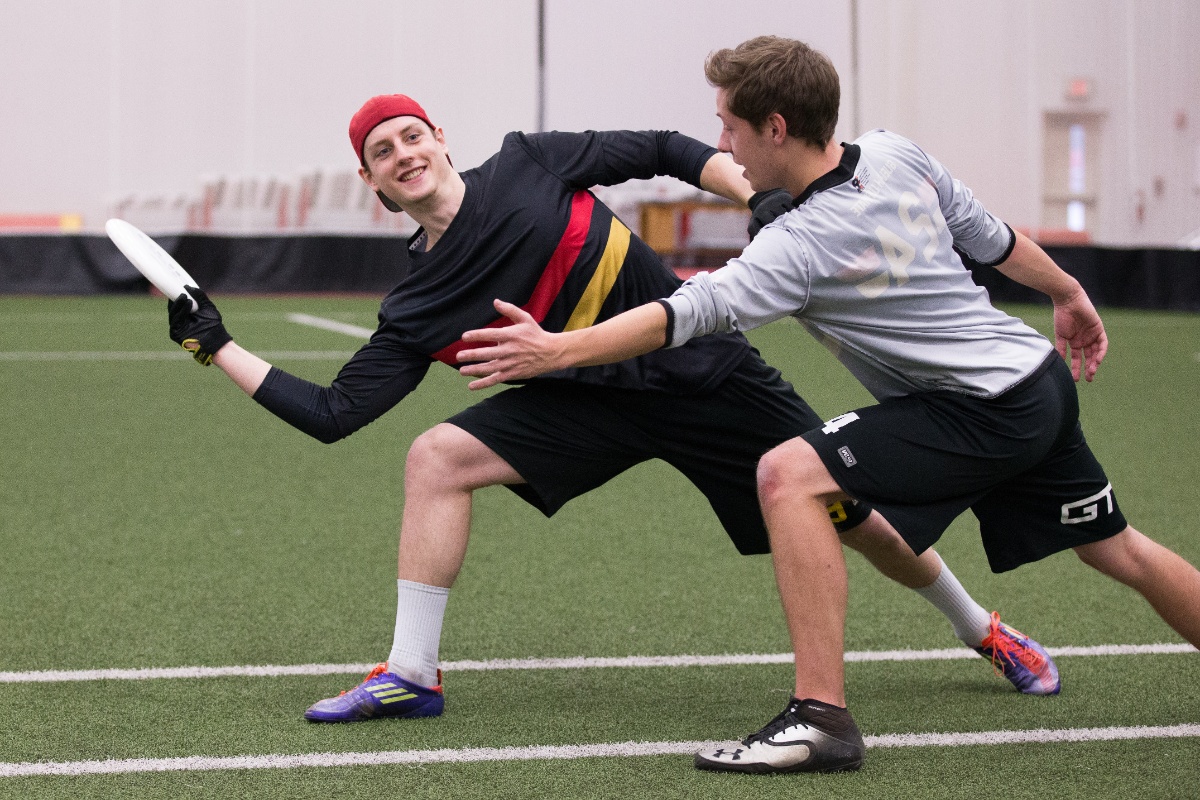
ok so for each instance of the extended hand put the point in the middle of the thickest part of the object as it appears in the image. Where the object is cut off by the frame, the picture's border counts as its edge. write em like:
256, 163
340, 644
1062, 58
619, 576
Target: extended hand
200, 332
516, 352
1078, 329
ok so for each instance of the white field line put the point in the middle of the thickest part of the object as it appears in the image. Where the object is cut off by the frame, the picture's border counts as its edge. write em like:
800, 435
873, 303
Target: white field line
580, 662
176, 355
163, 355
94, 355
559, 752
330, 325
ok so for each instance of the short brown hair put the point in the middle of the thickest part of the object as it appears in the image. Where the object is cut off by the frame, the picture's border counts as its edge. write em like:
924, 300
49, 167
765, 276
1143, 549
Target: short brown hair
770, 74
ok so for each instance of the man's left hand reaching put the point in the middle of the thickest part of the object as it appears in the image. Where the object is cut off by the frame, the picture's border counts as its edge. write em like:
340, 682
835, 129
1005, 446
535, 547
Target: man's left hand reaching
1079, 335
515, 352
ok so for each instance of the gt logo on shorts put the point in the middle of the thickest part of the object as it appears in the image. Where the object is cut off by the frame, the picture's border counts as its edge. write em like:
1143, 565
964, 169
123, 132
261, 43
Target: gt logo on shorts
1088, 508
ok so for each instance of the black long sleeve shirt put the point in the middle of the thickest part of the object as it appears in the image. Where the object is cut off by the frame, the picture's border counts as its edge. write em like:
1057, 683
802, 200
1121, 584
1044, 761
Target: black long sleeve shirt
531, 233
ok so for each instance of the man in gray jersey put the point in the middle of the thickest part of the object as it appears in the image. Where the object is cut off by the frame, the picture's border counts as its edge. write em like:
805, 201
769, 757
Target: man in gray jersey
975, 408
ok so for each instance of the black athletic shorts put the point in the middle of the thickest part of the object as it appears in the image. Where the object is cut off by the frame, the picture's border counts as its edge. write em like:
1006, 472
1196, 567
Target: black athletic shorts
565, 439
1018, 461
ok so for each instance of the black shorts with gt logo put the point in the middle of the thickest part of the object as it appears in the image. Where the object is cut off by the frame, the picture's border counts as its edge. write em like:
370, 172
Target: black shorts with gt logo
1018, 461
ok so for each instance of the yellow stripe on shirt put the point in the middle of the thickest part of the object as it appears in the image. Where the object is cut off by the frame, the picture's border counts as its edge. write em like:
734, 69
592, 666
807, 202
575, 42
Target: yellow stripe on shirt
602, 281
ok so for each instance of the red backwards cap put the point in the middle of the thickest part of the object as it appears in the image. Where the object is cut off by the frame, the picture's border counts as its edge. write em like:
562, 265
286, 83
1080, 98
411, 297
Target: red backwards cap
374, 111
378, 109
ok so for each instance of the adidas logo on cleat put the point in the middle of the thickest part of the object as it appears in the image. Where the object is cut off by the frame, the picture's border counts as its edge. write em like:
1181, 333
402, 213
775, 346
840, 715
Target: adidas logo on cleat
381, 694
388, 693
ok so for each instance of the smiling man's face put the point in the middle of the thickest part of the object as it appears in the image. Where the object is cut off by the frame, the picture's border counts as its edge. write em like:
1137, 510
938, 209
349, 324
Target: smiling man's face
405, 159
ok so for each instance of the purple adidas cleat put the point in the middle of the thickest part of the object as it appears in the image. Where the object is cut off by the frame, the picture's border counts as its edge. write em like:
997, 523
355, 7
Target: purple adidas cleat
381, 694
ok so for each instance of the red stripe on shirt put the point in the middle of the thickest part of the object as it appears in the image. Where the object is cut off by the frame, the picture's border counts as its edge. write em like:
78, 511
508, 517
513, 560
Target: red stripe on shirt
553, 277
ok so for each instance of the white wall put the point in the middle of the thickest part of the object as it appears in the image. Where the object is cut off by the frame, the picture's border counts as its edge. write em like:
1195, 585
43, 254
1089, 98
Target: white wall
101, 98
639, 64
971, 79
110, 98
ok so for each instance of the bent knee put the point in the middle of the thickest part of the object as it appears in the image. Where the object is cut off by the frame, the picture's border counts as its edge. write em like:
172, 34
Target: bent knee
441, 450
448, 457
794, 467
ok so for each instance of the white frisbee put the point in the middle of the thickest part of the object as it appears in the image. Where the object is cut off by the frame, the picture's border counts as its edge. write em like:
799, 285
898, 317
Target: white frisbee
151, 260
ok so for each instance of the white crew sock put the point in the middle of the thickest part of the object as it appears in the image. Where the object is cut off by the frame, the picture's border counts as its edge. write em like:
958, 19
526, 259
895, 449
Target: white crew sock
970, 620
419, 612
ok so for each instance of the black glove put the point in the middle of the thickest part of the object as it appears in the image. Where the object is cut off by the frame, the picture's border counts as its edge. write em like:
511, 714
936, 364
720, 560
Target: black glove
200, 332
765, 207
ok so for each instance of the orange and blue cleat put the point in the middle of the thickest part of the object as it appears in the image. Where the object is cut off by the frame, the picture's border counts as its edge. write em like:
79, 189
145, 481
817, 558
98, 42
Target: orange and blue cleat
1019, 658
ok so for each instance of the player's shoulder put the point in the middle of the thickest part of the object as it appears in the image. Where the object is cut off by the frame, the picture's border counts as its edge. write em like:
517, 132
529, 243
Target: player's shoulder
542, 142
517, 142
881, 139
547, 149
515, 156
522, 144
891, 149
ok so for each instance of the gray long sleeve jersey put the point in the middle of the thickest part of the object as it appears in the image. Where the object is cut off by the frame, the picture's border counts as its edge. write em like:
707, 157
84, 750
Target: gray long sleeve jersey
866, 262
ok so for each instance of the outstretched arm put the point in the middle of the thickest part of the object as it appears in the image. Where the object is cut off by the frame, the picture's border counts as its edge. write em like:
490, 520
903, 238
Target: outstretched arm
523, 350
723, 177
202, 333
1078, 331
379, 375
245, 369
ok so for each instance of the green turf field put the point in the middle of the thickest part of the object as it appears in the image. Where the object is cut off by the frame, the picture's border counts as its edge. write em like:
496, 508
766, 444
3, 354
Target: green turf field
152, 516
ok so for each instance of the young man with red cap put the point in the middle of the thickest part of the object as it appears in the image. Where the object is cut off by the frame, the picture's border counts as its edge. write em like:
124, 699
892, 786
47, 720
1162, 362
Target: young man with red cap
525, 225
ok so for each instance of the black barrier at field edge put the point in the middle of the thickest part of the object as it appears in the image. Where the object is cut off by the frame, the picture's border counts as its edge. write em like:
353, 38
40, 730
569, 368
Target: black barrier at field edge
1150, 278
91, 264
82, 264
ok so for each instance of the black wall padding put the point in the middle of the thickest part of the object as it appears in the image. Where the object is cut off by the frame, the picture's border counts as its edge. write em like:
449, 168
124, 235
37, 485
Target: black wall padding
1116, 278
90, 264
86, 264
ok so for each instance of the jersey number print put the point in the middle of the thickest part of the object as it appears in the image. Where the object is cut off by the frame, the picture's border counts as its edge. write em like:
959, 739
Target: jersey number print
922, 231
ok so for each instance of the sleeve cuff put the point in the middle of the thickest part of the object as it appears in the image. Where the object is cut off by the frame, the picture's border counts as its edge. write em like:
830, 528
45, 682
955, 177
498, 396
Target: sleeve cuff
1012, 243
670, 321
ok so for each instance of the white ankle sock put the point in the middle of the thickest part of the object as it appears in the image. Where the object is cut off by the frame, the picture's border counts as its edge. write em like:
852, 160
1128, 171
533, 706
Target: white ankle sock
419, 612
970, 620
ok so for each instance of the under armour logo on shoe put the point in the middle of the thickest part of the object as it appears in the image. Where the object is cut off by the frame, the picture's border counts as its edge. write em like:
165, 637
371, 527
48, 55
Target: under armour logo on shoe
734, 755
